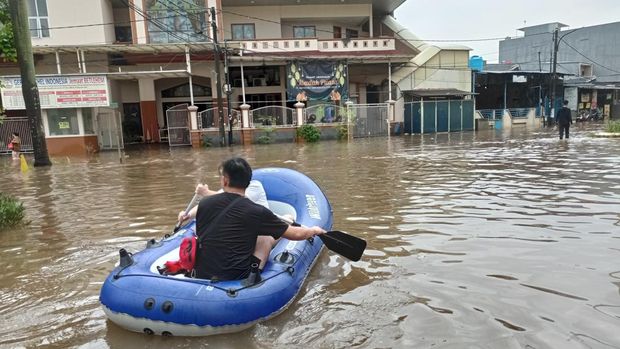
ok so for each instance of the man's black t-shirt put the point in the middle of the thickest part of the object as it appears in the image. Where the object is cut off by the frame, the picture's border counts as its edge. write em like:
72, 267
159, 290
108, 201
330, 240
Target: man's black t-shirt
227, 252
564, 116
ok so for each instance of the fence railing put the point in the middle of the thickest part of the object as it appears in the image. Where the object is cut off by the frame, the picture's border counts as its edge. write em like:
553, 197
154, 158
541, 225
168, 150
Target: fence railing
273, 116
22, 127
210, 118
519, 112
491, 114
325, 114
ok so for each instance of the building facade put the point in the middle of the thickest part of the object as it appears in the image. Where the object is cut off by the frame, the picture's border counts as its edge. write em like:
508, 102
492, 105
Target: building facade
145, 64
587, 58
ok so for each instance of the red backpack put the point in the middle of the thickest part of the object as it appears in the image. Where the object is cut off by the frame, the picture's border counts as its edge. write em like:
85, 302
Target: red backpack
187, 251
187, 258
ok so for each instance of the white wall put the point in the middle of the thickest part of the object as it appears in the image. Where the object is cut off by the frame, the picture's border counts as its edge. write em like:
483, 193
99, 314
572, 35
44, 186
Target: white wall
64, 13
270, 28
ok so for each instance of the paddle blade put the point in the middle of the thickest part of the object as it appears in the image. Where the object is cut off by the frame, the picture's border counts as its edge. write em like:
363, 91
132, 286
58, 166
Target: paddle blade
348, 246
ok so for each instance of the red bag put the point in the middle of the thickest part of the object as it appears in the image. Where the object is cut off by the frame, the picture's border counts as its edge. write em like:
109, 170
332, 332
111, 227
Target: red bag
10, 145
187, 258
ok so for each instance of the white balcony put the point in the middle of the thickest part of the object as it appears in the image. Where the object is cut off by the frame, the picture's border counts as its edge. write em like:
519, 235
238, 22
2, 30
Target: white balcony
321, 45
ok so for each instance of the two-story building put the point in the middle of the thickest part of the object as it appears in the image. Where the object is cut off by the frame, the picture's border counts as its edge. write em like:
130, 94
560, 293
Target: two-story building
587, 61
142, 63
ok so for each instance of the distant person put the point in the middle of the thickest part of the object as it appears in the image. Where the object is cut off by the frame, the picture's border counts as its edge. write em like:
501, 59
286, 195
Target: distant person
564, 120
15, 145
245, 233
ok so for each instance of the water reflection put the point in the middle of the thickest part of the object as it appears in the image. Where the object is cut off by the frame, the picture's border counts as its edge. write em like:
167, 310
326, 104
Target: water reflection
494, 239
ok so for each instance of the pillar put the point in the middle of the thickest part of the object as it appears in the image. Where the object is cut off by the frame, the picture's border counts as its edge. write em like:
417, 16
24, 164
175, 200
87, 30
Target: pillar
299, 110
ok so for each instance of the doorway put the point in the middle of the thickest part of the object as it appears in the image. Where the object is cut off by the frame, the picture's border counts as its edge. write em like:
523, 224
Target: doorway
132, 123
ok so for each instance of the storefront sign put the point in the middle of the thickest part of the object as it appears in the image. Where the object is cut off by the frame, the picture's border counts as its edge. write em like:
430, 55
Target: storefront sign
316, 80
59, 92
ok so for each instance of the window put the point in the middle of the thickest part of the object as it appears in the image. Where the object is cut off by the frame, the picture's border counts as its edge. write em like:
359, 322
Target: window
87, 117
62, 122
304, 32
337, 32
350, 33
123, 33
37, 19
243, 31
585, 70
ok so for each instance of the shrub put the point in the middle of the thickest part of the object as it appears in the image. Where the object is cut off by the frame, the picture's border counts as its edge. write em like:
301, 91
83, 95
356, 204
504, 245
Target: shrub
267, 136
206, 141
11, 211
343, 132
309, 133
613, 126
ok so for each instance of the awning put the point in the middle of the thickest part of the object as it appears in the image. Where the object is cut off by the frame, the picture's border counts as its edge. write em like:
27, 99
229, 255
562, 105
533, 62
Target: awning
125, 48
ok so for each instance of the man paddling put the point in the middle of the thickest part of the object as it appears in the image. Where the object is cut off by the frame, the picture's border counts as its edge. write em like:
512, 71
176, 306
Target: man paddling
234, 232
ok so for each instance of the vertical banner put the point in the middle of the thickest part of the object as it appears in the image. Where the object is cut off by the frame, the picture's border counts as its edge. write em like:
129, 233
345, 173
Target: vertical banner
317, 80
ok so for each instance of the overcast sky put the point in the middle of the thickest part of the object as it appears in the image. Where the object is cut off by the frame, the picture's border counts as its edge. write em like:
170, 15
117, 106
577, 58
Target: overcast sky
486, 19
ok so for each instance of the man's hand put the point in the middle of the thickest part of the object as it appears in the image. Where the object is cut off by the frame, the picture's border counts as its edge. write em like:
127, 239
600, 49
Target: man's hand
182, 217
203, 190
317, 230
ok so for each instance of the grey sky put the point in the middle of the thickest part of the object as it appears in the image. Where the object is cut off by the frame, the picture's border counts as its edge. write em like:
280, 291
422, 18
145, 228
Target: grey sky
483, 19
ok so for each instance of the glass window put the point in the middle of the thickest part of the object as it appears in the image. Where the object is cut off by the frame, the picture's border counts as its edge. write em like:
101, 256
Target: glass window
304, 32
351, 33
37, 19
243, 31
87, 118
62, 122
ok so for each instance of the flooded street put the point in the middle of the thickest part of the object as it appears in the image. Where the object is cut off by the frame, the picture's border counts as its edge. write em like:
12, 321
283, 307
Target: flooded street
475, 240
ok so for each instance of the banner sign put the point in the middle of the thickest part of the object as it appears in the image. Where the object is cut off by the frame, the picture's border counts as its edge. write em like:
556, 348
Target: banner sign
317, 80
59, 92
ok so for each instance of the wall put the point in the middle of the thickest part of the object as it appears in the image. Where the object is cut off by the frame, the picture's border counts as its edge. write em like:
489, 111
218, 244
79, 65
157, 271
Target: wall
596, 42
63, 13
270, 27
76, 145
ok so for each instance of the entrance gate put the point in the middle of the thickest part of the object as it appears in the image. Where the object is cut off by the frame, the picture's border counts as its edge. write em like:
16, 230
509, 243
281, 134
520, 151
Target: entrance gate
110, 129
368, 120
19, 125
178, 125
439, 116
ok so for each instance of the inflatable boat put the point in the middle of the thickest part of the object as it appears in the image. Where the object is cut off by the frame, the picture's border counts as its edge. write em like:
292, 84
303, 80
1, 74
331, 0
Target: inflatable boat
137, 297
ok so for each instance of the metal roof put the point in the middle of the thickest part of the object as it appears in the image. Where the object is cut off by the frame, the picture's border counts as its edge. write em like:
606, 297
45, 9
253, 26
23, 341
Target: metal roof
383, 6
436, 92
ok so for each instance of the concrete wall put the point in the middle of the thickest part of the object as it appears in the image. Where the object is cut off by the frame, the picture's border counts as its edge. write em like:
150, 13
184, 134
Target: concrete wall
270, 27
64, 13
447, 69
599, 43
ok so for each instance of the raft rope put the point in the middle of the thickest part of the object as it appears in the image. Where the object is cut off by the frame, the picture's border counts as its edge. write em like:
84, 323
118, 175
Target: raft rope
232, 292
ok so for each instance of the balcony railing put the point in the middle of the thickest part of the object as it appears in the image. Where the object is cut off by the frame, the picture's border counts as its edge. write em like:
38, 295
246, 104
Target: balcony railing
321, 45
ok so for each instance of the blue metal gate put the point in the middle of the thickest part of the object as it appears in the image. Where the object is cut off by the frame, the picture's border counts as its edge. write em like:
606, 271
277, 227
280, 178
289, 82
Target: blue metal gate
439, 116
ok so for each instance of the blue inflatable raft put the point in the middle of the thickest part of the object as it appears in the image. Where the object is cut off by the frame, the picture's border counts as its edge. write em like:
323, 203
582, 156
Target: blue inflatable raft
136, 297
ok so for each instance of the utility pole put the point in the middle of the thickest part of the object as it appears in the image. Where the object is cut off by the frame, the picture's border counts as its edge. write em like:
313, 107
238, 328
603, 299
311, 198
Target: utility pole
218, 83
228, 94
30, 90
553, 74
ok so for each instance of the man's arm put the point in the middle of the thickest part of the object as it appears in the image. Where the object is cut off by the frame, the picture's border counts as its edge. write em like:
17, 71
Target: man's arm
302, 233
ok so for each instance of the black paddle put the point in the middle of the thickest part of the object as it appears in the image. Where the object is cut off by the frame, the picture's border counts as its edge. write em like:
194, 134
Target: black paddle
189, 206
346, 245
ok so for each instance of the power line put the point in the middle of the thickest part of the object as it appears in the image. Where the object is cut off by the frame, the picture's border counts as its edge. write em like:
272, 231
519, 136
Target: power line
590, 59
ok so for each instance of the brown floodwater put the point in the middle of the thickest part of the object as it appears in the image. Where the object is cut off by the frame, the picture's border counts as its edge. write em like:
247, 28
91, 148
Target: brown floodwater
475, 240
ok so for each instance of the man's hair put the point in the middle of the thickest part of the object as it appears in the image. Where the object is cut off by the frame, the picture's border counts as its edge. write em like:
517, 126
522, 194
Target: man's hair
238, 171
565, 102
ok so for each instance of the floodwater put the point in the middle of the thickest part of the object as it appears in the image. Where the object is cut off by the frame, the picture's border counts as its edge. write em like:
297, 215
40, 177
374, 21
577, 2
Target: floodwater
475, 240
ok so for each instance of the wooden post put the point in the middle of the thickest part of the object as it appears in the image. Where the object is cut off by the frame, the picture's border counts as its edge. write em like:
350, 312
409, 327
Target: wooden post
30, 90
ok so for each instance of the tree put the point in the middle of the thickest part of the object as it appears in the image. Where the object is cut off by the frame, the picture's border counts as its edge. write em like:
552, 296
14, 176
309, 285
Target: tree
30, 90
7, 48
